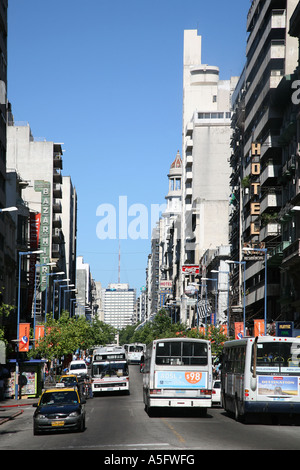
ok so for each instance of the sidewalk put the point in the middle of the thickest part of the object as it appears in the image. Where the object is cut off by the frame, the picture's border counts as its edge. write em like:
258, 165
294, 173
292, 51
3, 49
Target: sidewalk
11, 408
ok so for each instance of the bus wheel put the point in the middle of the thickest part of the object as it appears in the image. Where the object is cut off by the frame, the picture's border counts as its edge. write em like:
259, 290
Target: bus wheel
236, 410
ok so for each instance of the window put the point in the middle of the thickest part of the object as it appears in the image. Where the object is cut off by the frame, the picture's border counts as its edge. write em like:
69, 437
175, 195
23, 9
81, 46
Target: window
277, 357
181, 353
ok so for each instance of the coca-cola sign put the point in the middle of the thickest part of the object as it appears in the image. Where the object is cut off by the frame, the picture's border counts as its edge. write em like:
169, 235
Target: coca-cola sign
190, 269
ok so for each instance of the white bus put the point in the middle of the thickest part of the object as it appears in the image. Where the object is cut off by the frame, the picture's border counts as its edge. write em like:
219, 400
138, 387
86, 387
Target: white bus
109, 370
261, 375
135, 352
178, 373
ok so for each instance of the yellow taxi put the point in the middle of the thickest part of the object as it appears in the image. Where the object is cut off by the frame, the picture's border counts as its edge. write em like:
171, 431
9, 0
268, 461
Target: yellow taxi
60, 408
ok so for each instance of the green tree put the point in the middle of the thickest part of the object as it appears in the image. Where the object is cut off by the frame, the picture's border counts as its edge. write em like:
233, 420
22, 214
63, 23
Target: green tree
214, 334
66, 335
5, 311
162, 327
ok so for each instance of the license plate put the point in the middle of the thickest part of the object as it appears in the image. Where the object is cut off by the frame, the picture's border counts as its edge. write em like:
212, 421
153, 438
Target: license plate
57, 423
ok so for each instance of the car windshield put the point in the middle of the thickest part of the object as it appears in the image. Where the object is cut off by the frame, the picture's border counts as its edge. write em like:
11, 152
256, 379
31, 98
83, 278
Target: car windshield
68, 380
59, 398
136, 348
78, 366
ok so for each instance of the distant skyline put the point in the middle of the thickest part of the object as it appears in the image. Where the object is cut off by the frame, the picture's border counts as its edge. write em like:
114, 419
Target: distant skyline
105, 79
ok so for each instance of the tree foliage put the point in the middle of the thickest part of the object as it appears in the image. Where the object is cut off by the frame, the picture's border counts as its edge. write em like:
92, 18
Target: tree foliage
162, 327
5, 311
66, 335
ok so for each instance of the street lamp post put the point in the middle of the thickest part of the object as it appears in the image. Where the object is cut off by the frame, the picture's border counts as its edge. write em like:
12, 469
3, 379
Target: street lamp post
21, 253
244, 296
69, 290
54, 282
72, 306
46, 297
8, 209
59, 296
263, 250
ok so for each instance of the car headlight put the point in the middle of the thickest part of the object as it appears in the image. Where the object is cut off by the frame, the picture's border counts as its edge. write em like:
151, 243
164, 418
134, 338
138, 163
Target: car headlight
74, 414
40, 416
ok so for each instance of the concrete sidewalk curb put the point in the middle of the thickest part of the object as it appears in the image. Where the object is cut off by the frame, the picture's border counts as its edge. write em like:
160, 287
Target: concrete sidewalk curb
4, 420
19, 403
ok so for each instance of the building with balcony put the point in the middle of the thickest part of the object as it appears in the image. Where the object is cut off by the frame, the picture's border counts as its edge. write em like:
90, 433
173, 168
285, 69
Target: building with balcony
205, 159
39, 163
7, 225
268, 150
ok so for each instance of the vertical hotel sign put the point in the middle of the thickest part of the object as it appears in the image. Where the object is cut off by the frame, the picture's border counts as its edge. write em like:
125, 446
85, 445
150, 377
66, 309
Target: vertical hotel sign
44, 188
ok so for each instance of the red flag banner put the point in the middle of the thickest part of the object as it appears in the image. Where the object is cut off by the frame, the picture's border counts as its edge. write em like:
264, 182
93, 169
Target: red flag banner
39, 333
259, 327
24, 330
238, 330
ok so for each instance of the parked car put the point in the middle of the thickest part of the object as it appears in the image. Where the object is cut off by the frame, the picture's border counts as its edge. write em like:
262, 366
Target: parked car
78, 367
216, 392
59, 409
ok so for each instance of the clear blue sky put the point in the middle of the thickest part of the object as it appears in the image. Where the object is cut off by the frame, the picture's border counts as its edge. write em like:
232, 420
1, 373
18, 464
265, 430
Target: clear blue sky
105, 78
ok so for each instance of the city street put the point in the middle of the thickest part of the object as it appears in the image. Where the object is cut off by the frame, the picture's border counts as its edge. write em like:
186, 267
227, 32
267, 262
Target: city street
119, 423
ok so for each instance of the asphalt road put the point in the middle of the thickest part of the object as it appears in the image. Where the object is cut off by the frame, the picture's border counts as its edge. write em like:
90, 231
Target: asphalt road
120, 423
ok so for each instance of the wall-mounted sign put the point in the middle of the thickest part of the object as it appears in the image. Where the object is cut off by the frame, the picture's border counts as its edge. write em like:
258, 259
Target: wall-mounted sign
165, 285
252, 254
284, 328
44, 188
190, 269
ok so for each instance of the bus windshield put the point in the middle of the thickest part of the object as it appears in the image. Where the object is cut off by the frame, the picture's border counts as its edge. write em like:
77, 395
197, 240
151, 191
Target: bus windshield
181, 353
135, 348
277, 357
110, 369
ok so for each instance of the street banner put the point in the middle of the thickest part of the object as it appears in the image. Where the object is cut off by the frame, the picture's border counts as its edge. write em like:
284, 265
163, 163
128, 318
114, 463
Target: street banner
259, 328
223, 329
24, 329
39, 333
238, 330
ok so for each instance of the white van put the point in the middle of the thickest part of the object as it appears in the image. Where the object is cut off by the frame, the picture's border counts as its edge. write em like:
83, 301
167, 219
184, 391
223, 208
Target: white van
78, 367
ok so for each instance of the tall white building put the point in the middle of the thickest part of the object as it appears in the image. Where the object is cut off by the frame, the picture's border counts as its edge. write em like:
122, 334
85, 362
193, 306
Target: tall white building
205, 156
83, 287
118, 305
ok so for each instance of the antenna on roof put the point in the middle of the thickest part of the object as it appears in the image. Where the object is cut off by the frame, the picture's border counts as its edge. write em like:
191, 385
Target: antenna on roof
119, 268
